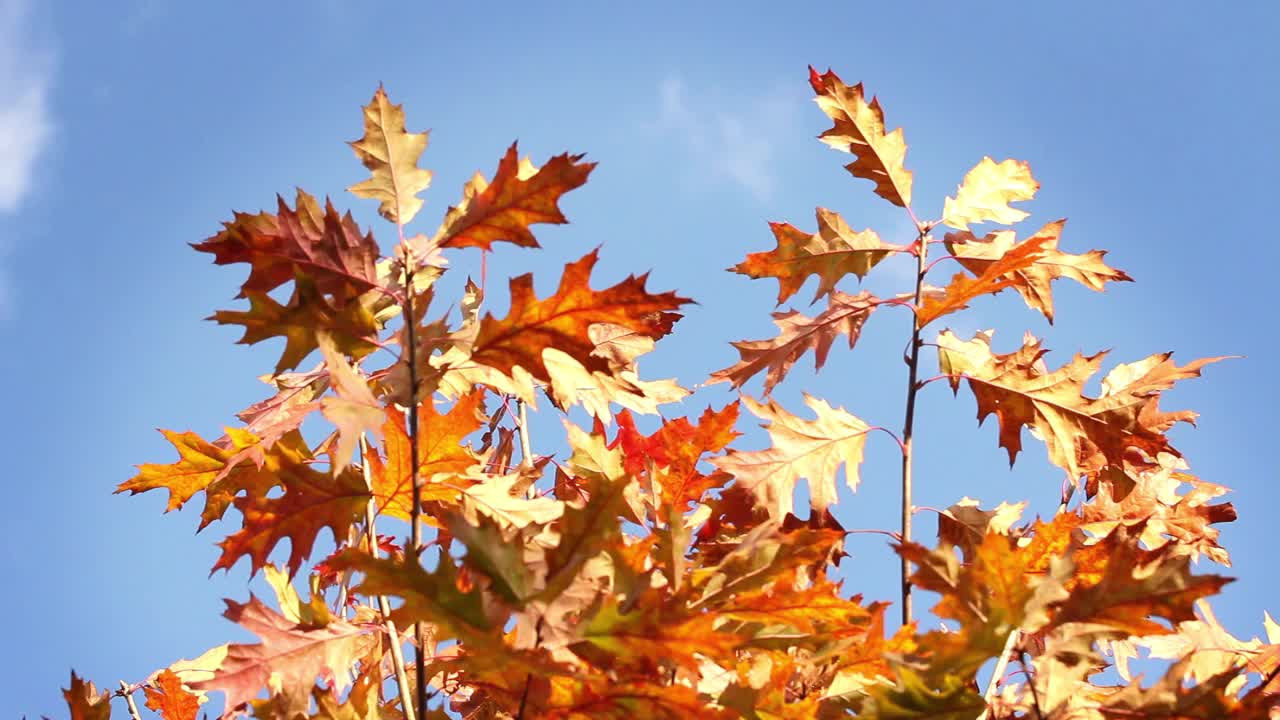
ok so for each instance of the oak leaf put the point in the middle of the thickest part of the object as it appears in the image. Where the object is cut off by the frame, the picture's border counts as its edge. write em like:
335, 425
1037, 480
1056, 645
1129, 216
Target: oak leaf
812, 449
84, 702
859, 129
1032, 282
563, 321
353, 410
295, 399
675, 450
199, 462
649, 634
323, 245
986, 191
353, 327
797, 334
311, 502
167, 697
1165, 515
440, 452
434, 596
995, 277
519, 196
1082, 434
832, 253
1133, 585
289, 656
391, 153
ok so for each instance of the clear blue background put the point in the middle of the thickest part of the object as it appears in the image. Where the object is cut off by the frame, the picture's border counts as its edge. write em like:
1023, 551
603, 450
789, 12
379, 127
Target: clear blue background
133, 128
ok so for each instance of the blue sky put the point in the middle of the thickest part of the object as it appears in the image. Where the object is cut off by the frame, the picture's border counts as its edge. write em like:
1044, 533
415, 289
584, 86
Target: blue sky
129, 129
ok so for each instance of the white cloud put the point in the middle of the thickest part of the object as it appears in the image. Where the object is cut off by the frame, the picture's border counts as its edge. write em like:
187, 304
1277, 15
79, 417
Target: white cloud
725, 145
26, 125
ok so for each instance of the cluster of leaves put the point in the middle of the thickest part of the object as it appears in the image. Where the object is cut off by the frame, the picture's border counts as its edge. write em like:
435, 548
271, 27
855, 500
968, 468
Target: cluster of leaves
665, 574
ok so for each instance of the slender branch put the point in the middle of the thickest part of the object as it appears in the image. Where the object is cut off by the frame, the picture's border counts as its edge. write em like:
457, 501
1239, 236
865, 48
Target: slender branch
126, 691
397, 654
1031, 683
1001, 665
908, 423
526, 453
528, 679
415, 519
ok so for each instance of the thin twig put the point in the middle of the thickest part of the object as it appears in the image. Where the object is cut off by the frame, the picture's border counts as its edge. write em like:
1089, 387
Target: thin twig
371, 534
127, 693
908, 423
1001, 665
415, 512
1031, 683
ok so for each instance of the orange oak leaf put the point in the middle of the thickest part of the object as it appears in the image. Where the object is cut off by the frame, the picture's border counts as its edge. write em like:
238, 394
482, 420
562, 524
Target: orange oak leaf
222, 473
199, 462
814, 610
295, 399
1165, 514
986, 191
1082, 434
435, 596
573, 384
168, 698
323, 245
519, 196
354, 410
563, 321
84, 702
675, 450
832, 253
1133, 585
995, 277
603, 698
311, 502
651, 633
965, 524
1032, 282
440, 451
797, 334
812, 449
290, 657
353, 328
391, 153
859, 129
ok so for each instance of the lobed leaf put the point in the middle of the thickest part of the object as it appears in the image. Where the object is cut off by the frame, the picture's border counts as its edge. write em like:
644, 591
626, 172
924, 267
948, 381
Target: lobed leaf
986, 191
797, 334
519, 196
859, 129
812, 449
391, 153
832, 253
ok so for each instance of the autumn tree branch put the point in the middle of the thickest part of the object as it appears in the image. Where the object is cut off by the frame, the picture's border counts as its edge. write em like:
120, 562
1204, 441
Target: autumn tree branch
908, 423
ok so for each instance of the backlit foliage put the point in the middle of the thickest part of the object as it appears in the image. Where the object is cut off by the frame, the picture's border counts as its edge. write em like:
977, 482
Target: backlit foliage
666, 575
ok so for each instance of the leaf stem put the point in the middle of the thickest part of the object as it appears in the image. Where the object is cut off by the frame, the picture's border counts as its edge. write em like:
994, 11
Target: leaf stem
371, 534
908, 423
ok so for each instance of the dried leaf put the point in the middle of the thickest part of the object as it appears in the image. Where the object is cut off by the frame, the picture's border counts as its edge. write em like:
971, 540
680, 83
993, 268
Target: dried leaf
832, 253
986, 191
859, 129
797, 334
812, 449
519, 196
391, 153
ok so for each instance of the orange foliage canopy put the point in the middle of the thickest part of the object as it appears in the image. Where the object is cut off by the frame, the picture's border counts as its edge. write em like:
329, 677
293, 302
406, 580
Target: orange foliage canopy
666, 573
